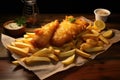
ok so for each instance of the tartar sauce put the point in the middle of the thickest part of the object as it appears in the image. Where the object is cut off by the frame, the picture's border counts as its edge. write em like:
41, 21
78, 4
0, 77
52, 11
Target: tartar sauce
13, 26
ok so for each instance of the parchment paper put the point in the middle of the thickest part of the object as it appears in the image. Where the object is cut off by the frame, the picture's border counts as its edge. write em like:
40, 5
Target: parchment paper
46, 70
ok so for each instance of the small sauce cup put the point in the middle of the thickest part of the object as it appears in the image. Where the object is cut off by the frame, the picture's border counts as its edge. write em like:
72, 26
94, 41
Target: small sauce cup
13, 31
101, 14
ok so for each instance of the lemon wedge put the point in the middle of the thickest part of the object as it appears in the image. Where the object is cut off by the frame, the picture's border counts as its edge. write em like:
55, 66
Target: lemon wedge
69, 60
99, 25
108, 34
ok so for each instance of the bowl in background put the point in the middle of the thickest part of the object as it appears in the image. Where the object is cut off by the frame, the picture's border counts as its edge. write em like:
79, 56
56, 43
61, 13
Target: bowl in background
10, 28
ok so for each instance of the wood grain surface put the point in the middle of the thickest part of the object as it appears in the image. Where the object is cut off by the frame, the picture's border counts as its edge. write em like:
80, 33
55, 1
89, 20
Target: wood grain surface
106, 66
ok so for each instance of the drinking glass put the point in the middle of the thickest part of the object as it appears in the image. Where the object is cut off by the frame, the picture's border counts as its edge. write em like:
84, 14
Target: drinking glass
31, 12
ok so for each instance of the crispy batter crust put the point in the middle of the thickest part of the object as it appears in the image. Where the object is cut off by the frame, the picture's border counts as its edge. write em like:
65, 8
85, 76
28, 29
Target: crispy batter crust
44, 34
67, 31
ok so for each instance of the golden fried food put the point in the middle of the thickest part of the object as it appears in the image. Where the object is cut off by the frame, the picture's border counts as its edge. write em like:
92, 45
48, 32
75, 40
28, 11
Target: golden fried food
82, 53
22, 52
68, 29
61, 42
34, 60
44, 34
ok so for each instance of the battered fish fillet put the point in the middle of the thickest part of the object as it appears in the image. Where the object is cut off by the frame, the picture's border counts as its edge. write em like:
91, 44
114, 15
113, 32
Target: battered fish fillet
44, 34
67, 30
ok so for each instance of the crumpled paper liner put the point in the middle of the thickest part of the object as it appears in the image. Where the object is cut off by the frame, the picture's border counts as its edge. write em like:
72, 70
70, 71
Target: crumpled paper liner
46, 70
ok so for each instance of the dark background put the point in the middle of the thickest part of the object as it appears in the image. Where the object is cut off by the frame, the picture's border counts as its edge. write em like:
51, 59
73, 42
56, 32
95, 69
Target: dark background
61, 6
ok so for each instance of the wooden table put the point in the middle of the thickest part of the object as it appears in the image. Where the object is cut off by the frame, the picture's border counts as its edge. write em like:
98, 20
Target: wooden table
106, 66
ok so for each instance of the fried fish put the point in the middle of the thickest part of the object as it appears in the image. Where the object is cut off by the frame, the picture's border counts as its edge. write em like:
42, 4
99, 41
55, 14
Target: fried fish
44, 34
68, 29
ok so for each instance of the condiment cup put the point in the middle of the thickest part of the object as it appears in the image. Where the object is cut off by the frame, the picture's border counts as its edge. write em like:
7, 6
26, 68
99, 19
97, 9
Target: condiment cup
101, 14
13, 32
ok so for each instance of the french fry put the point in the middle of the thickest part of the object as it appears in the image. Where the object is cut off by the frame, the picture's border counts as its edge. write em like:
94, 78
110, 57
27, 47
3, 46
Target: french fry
20, 51
42, 53
57, 51
103, 39
67, 53
26, 36
95, 32
24, 45
100, 43
68, 46
94, 49
15, 62
54, 57
90, 26
90, 35
83, 54
31, 35
13, 43
92, 42
84, 46
22, 59
34, 60
27, 40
